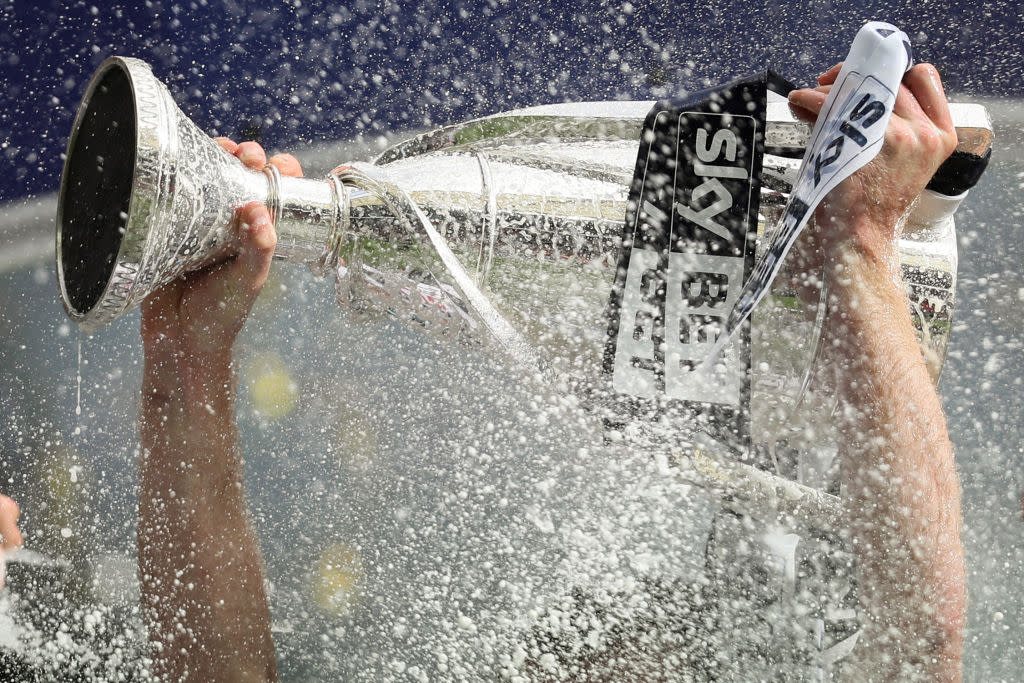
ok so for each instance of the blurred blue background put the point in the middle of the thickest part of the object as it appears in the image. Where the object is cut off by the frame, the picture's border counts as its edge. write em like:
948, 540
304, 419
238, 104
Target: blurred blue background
299, 71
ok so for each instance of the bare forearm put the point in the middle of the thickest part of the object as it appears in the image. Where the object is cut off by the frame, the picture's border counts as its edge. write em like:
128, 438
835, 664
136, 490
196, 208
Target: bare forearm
202, 575
900, 482
200, 566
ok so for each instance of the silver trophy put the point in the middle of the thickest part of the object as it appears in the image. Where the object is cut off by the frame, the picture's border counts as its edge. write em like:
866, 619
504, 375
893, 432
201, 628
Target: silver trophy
505, 228
147, 197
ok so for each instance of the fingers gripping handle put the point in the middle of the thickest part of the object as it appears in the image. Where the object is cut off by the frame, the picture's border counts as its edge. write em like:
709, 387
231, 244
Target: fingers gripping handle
848, 134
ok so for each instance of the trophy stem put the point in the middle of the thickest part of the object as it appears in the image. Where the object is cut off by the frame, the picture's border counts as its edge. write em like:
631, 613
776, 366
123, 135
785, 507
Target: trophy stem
310, 217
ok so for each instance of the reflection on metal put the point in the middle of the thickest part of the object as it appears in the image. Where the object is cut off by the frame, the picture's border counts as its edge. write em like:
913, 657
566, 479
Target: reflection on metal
146, 197
755, 489
337, 583
617, 120
406, 213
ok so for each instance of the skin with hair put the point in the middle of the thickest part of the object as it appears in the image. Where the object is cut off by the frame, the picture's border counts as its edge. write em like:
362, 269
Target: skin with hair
200, 565
900, 487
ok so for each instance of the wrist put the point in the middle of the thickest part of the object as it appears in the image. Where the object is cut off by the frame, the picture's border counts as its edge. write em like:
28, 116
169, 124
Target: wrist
865, 259
191, 378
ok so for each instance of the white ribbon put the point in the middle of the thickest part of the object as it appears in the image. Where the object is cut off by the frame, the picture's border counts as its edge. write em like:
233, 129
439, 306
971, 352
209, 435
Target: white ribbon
849, 132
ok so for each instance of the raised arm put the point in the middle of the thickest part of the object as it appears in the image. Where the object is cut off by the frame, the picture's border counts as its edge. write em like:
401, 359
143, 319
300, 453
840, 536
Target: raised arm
900, 486
200, 566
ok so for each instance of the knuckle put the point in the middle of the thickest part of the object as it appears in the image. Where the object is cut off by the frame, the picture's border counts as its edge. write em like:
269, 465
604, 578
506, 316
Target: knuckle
249, 212
251, 153
262, 239
287, 164
227, 143
268, 240
900, 137
927, 69
937, 143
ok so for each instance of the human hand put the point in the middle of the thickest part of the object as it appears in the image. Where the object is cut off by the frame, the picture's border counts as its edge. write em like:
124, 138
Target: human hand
864, 212
198, 317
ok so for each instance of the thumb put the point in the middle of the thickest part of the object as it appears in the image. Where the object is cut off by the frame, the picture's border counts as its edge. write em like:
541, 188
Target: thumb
247, 273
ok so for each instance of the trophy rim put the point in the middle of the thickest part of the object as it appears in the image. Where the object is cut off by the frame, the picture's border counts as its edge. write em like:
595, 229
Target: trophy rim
112, 301
82, 317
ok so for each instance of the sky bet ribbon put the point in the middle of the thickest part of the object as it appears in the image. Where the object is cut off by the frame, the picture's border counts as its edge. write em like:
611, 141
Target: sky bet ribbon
687, 248
848, 134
